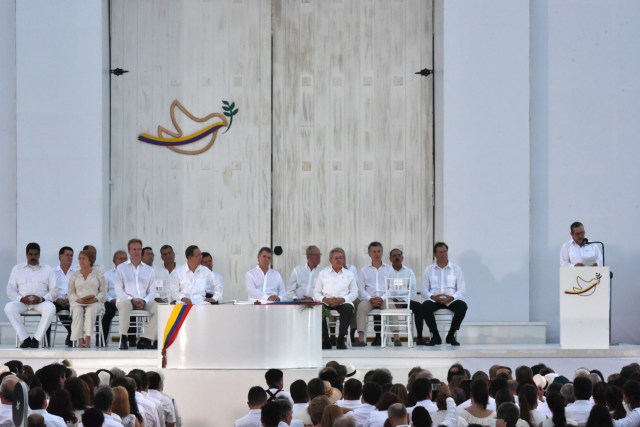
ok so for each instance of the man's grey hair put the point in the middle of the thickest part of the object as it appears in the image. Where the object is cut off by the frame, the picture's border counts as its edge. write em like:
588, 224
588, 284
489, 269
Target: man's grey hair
117, 372
344, 421
334, 250
397, 410
311, 248
567, 392
8, 384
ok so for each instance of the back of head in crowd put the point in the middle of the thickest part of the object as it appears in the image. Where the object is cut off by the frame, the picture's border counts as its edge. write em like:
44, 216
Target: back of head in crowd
371, 393
35, 420
92, 417
509, 413
582, 388
256, 397
270, 414
298, 391
274, 378
480, 393
420, 417
352, 389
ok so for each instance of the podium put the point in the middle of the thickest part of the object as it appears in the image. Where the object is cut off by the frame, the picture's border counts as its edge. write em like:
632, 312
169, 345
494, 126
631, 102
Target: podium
244, 337
584, 307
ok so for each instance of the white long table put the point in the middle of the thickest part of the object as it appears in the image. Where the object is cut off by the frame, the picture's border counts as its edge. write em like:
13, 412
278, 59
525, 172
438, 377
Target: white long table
244, 337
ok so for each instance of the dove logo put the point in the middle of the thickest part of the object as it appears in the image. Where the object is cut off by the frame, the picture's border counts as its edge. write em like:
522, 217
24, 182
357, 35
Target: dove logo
210, 125
585, 288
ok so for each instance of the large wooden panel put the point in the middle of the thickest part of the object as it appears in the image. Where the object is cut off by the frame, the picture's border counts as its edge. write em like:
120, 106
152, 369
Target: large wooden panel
199, 52
353, 128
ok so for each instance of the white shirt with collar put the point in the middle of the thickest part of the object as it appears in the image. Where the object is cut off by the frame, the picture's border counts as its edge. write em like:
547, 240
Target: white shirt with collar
430, 406
6, 412
631, 420
167, 405
491, 404
350, 404
260, 285
579, 411
62, 280
362, 413
405, 273
135, 282
302, 281
150, 414
184, 283
37, 280
332, 284
448, 280
571, 253
372, 280
111, 277
252, 419
50, 419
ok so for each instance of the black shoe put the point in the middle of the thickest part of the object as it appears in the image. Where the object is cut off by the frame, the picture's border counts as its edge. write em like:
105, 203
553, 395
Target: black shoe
333, 340
420, 341
68, 342
123, 343
132, 341
452, 340
26, 343
326, 344
154, 345
377, 342
35, 343
340, 344
435, 340
144, 344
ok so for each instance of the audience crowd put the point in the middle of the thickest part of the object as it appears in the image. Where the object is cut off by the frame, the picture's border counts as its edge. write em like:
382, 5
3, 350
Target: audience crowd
57, 397
533, 396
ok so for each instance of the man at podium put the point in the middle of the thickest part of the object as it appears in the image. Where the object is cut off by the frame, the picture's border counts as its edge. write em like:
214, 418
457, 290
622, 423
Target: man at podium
578, 252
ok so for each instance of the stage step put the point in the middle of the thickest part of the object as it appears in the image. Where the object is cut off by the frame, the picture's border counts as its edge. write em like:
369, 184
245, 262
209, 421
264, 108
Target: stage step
502, 333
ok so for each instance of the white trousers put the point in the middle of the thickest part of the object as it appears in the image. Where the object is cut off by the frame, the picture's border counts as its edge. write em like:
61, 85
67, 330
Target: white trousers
125, 307
83, 319
47, 311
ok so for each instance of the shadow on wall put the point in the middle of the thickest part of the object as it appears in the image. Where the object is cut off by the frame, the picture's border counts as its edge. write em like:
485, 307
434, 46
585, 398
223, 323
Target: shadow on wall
490, 299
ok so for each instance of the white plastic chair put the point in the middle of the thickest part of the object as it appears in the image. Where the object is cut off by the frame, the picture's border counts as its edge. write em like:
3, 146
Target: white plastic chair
398, 292
27, 320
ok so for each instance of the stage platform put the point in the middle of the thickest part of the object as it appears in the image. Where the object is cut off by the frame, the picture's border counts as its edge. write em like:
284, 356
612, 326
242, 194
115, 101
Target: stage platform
230, 386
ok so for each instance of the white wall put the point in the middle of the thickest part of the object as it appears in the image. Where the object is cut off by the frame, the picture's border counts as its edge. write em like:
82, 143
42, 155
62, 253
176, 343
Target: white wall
482, 151
7, 138
61, 73
585, 98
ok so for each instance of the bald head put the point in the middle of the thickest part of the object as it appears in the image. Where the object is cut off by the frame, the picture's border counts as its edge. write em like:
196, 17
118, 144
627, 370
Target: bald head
6, 389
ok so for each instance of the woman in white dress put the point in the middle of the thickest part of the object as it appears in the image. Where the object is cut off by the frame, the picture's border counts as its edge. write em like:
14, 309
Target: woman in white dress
87, 293
478, 413
528, 400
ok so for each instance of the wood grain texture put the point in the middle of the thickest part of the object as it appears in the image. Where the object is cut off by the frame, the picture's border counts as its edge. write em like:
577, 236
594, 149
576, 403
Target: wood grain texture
326, 91
353, 139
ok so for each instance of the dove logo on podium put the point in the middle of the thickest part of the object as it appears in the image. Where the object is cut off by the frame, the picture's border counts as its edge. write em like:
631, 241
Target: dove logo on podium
203, 127
585, 288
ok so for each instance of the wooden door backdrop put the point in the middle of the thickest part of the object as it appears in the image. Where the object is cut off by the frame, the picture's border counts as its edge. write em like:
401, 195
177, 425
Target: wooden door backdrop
331, 145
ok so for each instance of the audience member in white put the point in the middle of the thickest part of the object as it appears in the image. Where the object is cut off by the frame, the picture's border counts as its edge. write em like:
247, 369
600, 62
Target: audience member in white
136, 290
580, 409
256, 399
298, 391
87, 293
351, 394
38, 402
188, 283
421, 391
103, 401
443, 286
32, 286
6, 399
303, 277
155, 392
275, 385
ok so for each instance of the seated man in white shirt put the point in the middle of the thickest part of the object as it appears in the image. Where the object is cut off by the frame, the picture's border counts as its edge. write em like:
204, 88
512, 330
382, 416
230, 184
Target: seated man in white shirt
207, 261
443, 287
371, 393
372, 293
580, 409
63, 272
136, 290
110, 309
262, 282
336, 288
188, 283
578, 252
256, 399
631, 395
32, 286
163, 271
298, 392
303, 276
